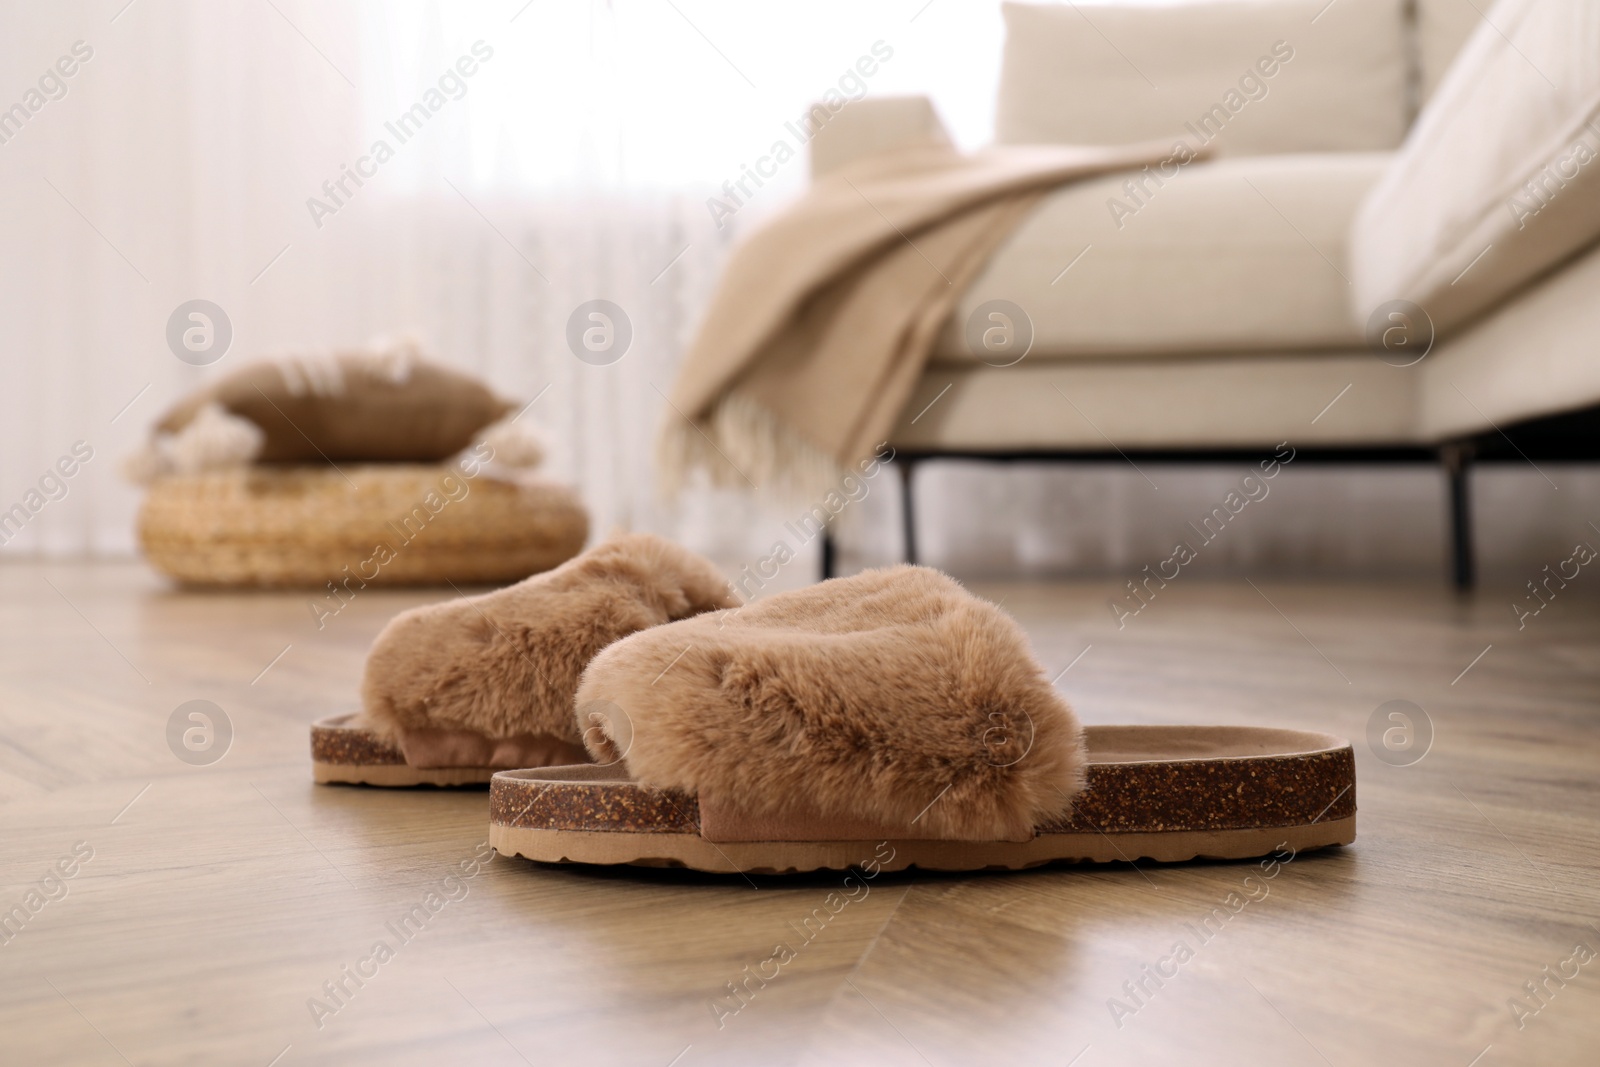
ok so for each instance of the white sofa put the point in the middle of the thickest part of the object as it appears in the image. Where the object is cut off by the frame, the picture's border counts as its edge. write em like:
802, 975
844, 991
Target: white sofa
1366, 152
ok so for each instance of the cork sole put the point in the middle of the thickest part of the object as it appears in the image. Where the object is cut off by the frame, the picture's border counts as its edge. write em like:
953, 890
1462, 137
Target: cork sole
342, 754
1157, 793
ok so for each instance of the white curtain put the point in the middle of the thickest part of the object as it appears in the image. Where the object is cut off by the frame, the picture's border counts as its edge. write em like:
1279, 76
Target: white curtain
574, 162
180, 160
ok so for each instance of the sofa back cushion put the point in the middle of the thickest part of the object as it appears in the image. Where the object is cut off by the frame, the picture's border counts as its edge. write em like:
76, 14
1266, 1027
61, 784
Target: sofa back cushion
1443, 27
1500, 179
1248, 76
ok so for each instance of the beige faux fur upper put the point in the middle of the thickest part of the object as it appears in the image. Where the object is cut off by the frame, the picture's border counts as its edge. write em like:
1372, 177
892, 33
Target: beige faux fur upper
507, 663
893, 696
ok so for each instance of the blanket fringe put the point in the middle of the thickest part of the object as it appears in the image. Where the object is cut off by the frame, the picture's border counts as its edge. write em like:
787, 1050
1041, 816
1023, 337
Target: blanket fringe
744, 445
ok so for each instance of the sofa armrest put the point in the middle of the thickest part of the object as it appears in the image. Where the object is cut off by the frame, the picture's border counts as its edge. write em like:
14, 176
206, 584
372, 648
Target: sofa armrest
871, 124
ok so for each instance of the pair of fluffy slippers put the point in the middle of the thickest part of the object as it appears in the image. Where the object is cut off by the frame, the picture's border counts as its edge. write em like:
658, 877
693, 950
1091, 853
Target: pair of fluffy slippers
877, 688
657, 721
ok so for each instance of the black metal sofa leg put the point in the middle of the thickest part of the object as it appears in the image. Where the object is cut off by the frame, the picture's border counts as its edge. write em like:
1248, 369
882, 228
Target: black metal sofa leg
908, 508
1457, 460
908, 523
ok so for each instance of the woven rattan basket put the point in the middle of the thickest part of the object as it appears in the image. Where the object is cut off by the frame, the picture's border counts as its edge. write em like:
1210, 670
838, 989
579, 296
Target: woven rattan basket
387, 524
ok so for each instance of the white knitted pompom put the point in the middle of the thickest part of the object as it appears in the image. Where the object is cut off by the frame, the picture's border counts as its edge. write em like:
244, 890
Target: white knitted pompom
514, 443
214, 440
393, 356
145, 465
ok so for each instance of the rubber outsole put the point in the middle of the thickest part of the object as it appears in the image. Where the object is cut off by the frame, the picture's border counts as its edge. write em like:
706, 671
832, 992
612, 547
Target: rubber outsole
398, 775
793, 857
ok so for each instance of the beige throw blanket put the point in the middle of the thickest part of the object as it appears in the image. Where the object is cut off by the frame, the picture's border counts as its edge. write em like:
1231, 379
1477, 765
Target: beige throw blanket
825, 317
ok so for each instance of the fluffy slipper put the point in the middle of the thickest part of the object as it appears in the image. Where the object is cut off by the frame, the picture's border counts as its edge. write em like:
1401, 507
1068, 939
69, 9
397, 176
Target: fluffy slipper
454, 691
894, 718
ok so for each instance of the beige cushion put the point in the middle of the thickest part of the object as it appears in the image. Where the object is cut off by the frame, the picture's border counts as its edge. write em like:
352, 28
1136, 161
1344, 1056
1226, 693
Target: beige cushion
1101, 74
1235, 255
1218, 403
1443, 27
874, 124
1457, 223
385, 405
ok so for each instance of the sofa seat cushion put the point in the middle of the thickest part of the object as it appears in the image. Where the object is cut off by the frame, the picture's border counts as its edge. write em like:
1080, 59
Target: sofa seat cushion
1332, 399
1234, 255
1533, 356
1246, 76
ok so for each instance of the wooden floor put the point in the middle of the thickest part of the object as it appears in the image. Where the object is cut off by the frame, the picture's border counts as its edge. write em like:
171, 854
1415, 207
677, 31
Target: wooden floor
221, 904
